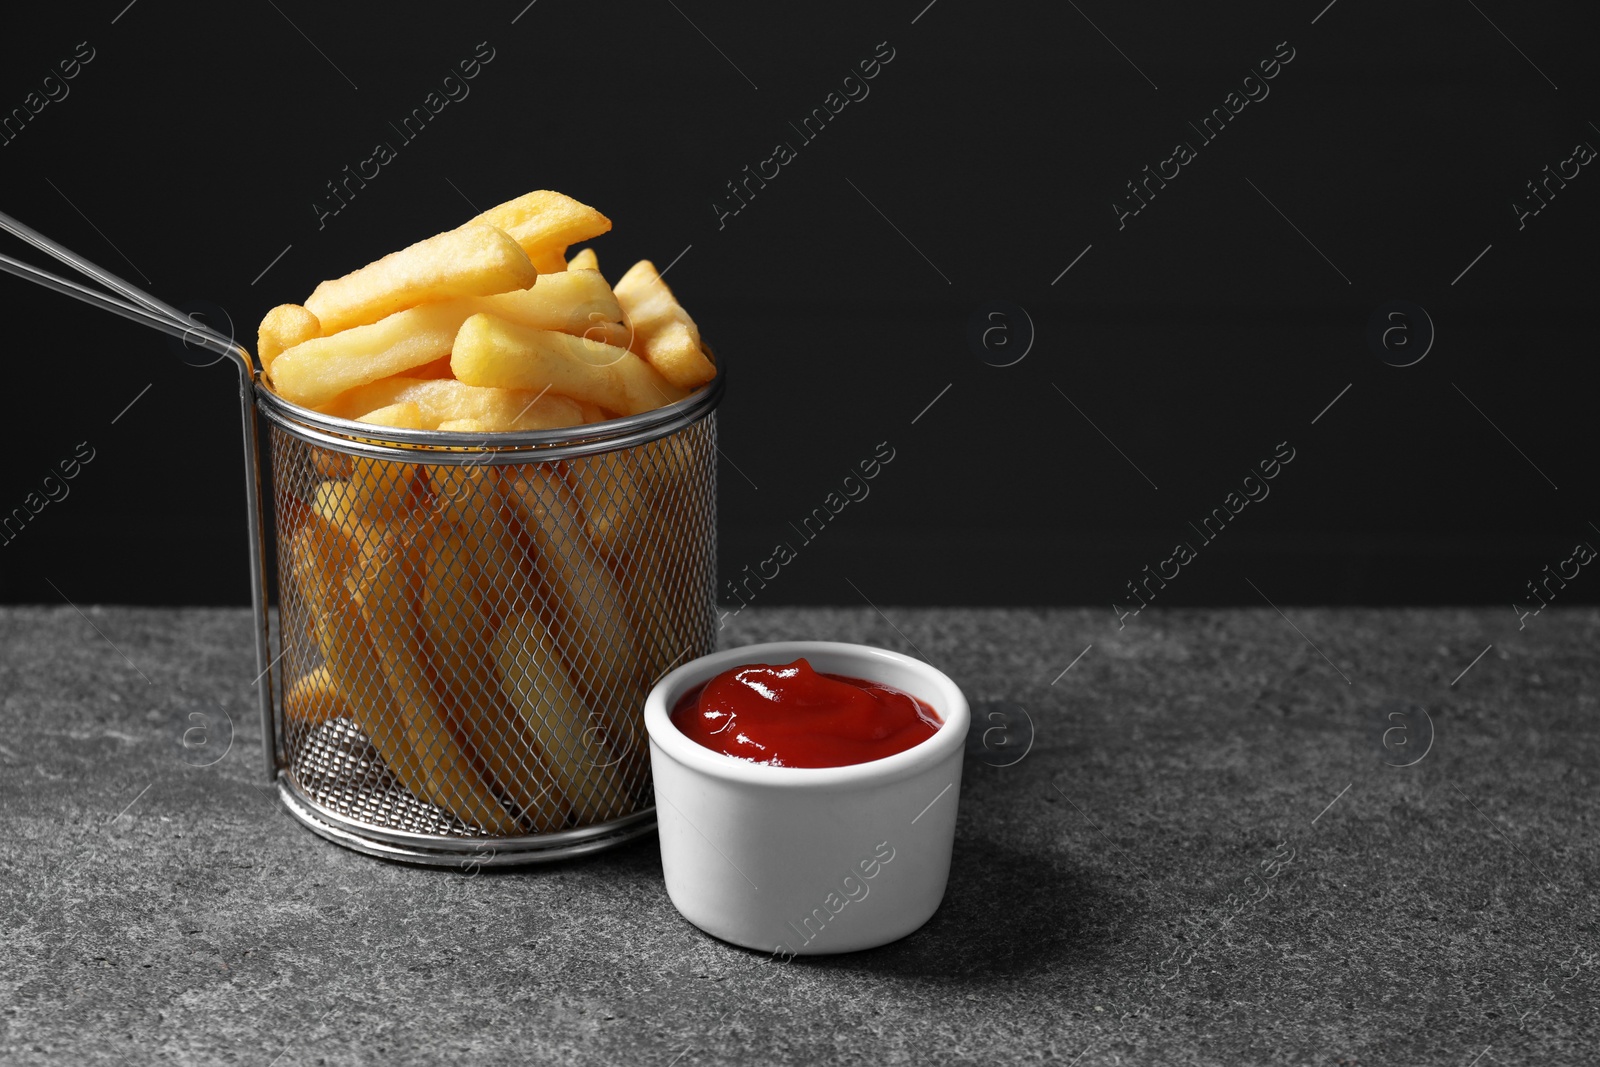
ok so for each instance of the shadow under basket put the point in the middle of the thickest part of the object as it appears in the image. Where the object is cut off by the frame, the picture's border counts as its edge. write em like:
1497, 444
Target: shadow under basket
469, 625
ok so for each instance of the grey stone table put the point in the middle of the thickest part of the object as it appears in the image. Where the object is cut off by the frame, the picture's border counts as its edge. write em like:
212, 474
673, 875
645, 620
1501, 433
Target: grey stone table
1323, 837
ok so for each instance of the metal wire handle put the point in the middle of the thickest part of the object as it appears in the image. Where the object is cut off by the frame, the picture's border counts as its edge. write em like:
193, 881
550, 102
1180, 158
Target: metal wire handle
148, 311
89, 269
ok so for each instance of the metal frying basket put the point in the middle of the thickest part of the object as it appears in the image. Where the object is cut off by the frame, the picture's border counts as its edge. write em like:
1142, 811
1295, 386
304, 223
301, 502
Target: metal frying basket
469, 625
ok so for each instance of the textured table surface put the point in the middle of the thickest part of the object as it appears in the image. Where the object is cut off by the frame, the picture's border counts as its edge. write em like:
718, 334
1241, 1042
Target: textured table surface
1209, 854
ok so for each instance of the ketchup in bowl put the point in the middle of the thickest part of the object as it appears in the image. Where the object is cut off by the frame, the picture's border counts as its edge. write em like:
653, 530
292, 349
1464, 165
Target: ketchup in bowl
790, 715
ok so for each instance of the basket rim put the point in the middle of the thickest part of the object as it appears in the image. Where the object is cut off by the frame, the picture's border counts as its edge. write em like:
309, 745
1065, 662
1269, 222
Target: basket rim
500, 447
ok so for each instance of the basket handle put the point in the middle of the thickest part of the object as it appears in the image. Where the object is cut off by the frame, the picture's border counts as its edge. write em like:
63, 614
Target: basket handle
148, 311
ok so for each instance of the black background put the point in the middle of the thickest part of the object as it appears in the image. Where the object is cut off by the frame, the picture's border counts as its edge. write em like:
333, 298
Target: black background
986, 158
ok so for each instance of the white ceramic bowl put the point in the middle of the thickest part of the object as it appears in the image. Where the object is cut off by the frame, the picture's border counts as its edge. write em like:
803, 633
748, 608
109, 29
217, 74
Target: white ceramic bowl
808, 860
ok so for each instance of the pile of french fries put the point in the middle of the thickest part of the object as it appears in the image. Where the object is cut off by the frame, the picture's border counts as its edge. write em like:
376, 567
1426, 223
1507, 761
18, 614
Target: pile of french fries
488, 327
493, 630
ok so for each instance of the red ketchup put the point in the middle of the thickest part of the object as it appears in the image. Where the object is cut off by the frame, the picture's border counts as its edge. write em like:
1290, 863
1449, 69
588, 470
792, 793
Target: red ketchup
792, 716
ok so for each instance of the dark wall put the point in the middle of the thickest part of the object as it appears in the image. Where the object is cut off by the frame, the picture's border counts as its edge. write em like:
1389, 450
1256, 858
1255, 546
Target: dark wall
1187, 343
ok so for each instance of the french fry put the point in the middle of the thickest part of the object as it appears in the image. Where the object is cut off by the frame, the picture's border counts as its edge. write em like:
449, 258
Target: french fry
607, 495
615, 334
489, 351
341, 507
595, 636
410, 745
464, 426
671, 340
291, 511
586, 593
471, 498
554, 302
315, 371
547, 263
318, 568
663, 472
332, 551
663, 615
405, 416
667, 478
544, 223
315, 698
533, 677
284, 327
618, 514
330, 464
385, 586
442, 400
584, 260
473, 260
374, 492
439, 368
460, 645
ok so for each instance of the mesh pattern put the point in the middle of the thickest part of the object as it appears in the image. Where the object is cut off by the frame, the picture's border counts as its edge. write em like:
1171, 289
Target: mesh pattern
467, 649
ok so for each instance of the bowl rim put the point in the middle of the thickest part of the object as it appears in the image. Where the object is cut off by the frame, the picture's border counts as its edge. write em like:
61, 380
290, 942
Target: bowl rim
949, 739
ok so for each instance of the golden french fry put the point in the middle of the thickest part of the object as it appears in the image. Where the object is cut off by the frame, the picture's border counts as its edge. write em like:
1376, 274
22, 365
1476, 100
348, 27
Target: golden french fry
374, 492
460, 637
445, 399
667, 477
665, 620
544, 223
584, 260
586, 593
615, 334
551, 262
470, 497
343, 508
664, 626
330, 464
609, 499
671, 340
405, 416
618, 516
533, 676
330, 550
385, 585
315, 371
595, 635
555, 302
409, 743
318, 564
284, 327
439, 368
492, 352
474, 260
663, 472
315, 698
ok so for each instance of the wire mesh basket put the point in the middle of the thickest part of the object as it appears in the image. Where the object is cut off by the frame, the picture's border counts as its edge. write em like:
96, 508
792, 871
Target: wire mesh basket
469, 625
